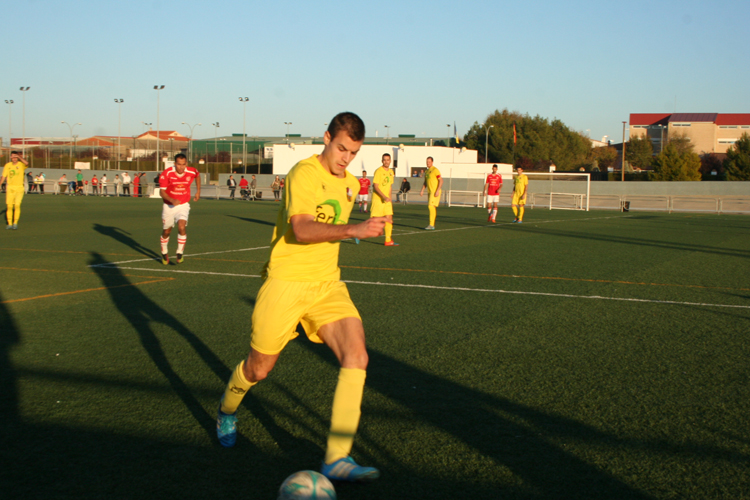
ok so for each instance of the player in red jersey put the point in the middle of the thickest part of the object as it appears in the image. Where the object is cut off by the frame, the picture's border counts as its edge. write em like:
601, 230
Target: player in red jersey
364, 191
175, 191
492, 187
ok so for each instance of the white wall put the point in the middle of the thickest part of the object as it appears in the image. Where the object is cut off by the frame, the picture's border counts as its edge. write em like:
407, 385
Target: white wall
370, 158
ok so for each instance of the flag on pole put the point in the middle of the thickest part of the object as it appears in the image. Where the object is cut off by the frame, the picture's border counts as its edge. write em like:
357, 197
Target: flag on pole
514, 132
455, 133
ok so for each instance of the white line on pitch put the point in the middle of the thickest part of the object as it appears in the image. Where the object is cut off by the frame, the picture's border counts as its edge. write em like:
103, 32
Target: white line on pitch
110, 264
464, 289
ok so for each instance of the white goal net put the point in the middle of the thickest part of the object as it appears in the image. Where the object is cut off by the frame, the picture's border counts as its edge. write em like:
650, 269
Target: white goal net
465, 198
559, 190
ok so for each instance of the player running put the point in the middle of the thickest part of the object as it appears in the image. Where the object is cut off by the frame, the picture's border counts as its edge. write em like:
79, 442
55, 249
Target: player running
520, 186
364, 191
492, 187
175, 191
433, 182
13, 174
381, 198
302, 285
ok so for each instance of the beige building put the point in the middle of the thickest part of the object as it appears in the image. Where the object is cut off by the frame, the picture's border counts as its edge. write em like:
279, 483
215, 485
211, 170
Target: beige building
708, 132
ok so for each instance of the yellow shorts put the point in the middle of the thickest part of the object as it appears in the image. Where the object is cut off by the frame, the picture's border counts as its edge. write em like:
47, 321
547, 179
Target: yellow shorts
433, 200
281, 305
13, 195
517, 200
380, 209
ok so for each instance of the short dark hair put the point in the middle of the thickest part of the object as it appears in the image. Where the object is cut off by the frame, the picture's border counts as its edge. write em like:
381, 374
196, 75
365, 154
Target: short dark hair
180, 155
494, 166
386, 154
353, 124
431, 158
15, 152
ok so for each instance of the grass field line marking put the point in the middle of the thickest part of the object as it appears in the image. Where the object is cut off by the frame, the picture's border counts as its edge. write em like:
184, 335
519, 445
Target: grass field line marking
422, 231
587, 280
548, 294
191, 272
463, 289
62, 251
110, 264
71, 272
160, 280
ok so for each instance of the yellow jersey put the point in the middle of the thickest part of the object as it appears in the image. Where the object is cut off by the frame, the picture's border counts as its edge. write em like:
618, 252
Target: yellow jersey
14, 173
431, 177
311, 190
519, 183
383, 179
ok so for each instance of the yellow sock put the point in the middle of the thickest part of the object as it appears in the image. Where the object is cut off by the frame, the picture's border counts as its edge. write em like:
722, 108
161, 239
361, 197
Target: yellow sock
520, 213
433, 215
515, 211
235, 391
9, 214
347, 400
388, 231
17, 214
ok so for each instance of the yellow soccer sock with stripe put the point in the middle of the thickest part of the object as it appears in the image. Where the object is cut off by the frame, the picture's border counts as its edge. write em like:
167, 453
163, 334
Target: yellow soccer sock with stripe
347, 400
515, 211
9, 214
388, 231
520, 213
235, 391
17, 213
433, 215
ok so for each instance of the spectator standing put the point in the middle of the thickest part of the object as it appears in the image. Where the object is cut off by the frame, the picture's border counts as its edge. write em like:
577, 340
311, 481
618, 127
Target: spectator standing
125, 184
103, 182
95, 185
136, 185
232, 185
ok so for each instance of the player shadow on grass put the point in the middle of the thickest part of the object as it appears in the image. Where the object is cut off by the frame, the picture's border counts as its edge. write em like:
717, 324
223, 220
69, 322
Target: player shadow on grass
520, 441
124, 237
142, 312
255, 221
9, 337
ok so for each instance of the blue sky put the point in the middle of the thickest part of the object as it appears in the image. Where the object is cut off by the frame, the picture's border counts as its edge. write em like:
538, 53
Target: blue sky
413, 65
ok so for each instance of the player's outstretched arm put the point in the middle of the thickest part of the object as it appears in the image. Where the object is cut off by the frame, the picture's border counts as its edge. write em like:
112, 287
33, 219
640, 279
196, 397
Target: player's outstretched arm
307, 230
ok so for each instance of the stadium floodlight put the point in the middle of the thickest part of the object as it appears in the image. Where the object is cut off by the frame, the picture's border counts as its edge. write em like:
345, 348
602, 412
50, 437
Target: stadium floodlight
486, 143
216, 153
9, 102
287, 130
119, 120
158, 89
23, 120
71, 127
387, 133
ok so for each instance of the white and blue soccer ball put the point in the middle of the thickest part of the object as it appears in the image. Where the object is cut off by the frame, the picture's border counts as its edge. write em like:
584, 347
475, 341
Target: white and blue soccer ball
307, 485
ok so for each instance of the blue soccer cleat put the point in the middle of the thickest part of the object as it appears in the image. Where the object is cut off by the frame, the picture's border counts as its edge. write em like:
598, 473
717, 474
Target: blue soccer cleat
356, 241
226, 428
346, 469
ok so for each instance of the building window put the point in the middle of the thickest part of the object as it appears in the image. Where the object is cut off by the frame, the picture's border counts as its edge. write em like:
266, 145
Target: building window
745, 126
727, 126
680, 124
727, 141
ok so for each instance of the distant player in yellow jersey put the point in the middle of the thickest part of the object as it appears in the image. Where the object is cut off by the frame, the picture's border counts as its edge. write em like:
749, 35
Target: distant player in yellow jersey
382, 205
520, 186
302, 285
13, 174
434, 183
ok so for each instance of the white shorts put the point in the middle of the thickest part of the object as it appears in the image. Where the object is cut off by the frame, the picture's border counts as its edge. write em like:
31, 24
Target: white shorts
170, 214
493, 198
363, 197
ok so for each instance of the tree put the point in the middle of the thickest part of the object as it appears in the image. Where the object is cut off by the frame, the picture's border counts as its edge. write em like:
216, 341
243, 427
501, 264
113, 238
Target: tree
537, 139
737, 163
603, 157
672, 164
639, 152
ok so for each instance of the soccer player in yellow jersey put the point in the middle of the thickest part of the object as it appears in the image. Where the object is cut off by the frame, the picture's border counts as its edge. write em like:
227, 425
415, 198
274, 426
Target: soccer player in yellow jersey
434, 183
13, 174
520, 186
382, 205
302, 285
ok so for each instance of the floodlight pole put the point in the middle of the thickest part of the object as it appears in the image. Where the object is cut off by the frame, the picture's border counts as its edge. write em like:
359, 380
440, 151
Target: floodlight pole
9, 102
287, 131
23, 120
623, 151
387, 133
71, 127
158, 89
190, 144
216, 154
243, 100
119, 121
486, 142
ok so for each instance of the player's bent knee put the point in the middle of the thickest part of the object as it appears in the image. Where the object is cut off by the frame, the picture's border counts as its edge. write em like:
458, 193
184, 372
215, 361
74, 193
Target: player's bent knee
355, 359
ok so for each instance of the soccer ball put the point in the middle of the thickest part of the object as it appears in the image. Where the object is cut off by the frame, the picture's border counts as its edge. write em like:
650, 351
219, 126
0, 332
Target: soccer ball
307, 485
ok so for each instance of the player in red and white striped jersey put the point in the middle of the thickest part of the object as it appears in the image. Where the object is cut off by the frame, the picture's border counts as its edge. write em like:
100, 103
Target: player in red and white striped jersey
492, 187
175, 191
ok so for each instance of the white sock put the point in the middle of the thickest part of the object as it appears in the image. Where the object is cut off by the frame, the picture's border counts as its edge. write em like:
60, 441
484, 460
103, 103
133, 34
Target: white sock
181, 244
164, 244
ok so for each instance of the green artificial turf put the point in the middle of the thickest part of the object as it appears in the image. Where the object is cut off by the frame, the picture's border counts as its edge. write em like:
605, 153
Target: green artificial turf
579, 355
